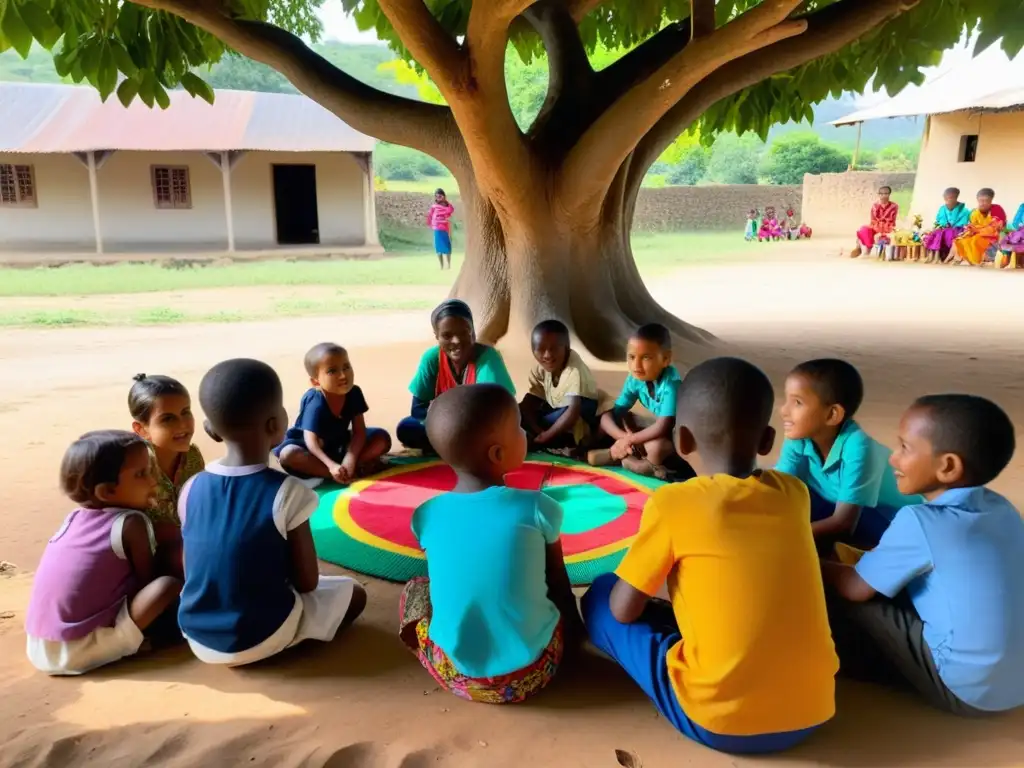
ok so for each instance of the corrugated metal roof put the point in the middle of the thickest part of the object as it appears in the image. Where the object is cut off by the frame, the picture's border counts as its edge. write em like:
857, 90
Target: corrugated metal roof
47, 119
989, 81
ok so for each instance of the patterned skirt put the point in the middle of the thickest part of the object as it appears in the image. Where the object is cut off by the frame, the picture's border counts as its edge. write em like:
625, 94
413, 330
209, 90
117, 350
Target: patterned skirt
415, 612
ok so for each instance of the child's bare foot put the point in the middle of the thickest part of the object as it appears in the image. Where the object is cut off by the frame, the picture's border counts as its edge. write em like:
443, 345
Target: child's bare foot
644, 467
600, 457
372, 467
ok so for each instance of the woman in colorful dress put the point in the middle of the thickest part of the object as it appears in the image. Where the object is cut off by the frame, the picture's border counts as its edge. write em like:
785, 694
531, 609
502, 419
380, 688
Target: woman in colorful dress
1013, 244
982, 233
883, 221
950, 221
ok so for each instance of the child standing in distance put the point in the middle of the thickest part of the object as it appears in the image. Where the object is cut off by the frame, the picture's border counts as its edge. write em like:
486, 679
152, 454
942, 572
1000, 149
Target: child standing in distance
439, 220
642, 445
96, 590
883, 221
252, 587
330, 438
854, 494
458, 359
753, 222
492, 621
161, 412
562, 406
939, 604
745, 662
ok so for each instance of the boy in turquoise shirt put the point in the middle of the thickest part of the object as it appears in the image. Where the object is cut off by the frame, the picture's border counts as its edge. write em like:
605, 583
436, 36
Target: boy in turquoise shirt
854, 495
644, 445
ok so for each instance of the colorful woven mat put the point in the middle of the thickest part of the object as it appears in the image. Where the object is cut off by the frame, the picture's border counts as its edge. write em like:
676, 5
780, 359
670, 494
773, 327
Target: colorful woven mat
366, 527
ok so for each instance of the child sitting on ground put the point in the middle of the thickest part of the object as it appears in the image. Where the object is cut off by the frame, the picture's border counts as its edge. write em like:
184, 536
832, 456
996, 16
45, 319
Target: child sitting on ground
854, 495
770, 228
562, 407
744, 660
644, 445
979, 239
161, 412
939, 604
883, 221
950, 221
497, 613
330, 438
96, 590
252, 587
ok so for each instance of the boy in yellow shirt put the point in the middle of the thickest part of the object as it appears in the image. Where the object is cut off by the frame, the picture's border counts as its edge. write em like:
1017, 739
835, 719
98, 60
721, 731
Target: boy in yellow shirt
745, 663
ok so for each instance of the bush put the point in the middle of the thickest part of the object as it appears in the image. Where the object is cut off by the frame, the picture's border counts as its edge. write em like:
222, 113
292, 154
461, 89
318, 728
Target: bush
395, 163
790, 157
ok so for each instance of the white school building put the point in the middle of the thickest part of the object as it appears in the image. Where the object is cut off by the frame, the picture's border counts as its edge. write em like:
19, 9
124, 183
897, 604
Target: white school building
973, 131
253, 172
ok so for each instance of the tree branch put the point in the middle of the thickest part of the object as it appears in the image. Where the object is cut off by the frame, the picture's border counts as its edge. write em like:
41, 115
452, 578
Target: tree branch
427, 41
591, 165
427, 127
702, 17
828, 30
571, 79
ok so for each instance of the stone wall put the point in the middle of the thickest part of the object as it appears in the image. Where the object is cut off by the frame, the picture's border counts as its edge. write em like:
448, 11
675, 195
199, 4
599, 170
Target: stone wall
658, 210
839, 203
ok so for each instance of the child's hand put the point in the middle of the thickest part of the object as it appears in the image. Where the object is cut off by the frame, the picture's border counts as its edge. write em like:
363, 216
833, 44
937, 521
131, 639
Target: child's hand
349, 465
542, 438
339, 474
621, 449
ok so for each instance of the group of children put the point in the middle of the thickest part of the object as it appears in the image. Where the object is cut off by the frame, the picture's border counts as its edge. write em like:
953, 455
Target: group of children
903, 569
771, 227
958, 235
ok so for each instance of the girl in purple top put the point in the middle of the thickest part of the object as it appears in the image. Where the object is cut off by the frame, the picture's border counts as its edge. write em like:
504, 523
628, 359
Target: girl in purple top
96, 589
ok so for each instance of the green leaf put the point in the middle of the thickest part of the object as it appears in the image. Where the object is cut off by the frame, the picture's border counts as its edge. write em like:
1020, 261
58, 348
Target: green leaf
122, 59
128, 21
40, 24
16, 31
89, 58
106, 78
161, 95
127, 91
147, 89
196, 86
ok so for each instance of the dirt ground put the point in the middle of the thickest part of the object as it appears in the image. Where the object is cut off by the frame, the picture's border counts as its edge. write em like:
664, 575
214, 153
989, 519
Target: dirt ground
362, 701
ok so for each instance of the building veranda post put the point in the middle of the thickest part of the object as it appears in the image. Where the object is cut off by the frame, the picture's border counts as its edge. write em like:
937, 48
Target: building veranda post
252, 172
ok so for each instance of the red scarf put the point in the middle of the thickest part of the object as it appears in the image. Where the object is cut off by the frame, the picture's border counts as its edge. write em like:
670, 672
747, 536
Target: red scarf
446, 376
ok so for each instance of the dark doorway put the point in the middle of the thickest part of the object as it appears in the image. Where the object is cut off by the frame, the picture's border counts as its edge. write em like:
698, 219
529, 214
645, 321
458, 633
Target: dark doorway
295, 205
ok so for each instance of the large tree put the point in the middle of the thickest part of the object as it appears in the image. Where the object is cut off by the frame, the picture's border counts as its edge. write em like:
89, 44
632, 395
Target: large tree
548, 209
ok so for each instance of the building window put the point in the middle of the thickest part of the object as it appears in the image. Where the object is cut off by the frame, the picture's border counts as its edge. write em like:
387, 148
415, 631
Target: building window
17, 186
968, 148
171, 187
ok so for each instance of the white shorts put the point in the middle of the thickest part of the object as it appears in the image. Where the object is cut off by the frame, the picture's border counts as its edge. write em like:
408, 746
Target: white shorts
315, 616
75, 657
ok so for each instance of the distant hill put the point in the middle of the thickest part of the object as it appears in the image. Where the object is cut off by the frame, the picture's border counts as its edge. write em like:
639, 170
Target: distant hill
876, 133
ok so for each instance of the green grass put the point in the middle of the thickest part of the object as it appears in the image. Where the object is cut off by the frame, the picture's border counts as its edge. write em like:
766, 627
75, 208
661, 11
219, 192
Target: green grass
426, 185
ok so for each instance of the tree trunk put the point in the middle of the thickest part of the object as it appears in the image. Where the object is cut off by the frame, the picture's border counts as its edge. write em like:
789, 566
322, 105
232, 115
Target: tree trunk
534, 266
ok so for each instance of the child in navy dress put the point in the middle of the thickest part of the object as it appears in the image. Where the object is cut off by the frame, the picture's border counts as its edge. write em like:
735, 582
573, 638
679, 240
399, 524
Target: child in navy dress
252, 587
330, 438
96, 590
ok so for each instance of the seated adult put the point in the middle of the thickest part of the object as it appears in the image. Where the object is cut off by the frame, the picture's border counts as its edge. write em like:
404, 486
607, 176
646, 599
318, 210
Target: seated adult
457, 359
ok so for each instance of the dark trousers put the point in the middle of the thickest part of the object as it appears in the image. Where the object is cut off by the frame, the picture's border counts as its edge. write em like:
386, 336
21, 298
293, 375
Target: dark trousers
547, 416
882, 641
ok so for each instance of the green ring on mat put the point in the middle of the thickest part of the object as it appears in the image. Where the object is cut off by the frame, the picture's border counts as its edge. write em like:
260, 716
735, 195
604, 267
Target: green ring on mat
396, 555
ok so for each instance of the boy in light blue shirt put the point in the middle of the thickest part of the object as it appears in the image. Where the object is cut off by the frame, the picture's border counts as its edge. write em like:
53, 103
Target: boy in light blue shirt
940, 601
854, 495
644, 445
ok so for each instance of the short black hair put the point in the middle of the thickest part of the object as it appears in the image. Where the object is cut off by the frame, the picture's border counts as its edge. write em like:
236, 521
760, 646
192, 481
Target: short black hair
316, 356
726, 401
439, 191
986, 192
975, 429
656, 333
236, 394
886, 187
462, 420
951, 191
451, 308
553, 327
836, 382
145, 391
94, 459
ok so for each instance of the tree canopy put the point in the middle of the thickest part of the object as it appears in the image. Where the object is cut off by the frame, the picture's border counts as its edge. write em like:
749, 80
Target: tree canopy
790, 157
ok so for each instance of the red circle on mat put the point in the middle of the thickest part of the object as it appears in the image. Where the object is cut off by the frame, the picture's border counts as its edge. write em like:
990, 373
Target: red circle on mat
385, 508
